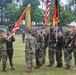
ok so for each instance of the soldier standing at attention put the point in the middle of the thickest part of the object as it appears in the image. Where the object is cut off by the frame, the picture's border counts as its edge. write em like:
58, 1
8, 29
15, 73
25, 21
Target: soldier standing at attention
39, 51
10, 50
51, 47
59, 44
30, 47
23, 36
67, 50
45, 43
3, 50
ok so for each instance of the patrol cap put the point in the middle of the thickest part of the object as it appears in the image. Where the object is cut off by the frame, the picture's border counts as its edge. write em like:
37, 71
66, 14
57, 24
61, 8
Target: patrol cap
37, 29
8, 33
29, 31
60, 29
43, 27
1, 30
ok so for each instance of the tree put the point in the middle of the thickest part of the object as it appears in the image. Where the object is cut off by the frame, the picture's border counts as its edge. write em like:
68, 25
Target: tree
38, 15
12, 13
65, 17
34, 6
3, 4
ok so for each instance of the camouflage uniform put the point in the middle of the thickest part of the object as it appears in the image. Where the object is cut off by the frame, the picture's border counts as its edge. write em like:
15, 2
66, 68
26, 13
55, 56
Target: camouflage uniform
31, 45
39, 51
51, 48
67, 50
10, 50
45, 46
3, 51
74, 49
23, 36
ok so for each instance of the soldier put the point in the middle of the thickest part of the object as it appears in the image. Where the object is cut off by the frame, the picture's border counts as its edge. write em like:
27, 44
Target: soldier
39, 51
23, 36
3, 50
31, 45
67, 50
10, 50
59, 44
74, 48
51, 47
45, 44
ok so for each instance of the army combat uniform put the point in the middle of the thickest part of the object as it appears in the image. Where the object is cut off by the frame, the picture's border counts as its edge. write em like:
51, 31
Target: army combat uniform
3, 50
51, 48
39, 51
10, 50
67, 50
30, 47
74, 48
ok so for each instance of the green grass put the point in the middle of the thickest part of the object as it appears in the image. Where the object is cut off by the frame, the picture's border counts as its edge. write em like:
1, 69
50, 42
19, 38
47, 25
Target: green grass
20, 65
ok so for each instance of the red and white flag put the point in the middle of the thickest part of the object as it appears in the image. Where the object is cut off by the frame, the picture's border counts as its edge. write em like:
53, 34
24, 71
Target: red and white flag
17, 25
47, 12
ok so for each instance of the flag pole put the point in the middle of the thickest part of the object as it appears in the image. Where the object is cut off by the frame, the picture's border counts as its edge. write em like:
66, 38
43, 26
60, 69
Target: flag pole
56, 31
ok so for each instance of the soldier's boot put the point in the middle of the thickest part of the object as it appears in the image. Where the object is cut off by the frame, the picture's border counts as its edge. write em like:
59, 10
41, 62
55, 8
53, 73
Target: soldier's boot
50, 65
12, 68
67, 67
4, 70
37, 67
29, 69
75, 61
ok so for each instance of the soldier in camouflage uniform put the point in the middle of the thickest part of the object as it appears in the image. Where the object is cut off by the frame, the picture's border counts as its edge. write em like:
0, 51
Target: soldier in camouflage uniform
67, 50
45, 44
39, 51
10, 50
51, 47
3, 50
74, 48
23, 36
30, 47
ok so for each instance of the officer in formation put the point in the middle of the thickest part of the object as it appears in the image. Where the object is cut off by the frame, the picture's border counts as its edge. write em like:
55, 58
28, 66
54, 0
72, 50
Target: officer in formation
74, 46
67, 50
45, 43
23, 36
39, 51
31, 46
3, 50
59, 43
10, 50
51, 46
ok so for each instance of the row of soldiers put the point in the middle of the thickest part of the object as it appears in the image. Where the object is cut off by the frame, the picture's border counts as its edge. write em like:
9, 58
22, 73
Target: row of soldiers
6, 50
37, 43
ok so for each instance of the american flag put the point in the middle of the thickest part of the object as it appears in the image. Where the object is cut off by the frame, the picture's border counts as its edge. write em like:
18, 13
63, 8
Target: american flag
47, 12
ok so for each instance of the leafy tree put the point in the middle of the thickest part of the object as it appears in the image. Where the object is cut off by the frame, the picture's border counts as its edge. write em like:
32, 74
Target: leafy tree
12, 13
65, 17
3, 4
38, 15
34, 5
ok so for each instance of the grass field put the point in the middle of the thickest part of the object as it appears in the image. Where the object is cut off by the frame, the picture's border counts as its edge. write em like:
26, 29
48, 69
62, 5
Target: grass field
20, 65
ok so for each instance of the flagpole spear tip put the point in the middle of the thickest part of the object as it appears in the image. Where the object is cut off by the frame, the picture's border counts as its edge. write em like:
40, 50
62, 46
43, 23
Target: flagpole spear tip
29, 5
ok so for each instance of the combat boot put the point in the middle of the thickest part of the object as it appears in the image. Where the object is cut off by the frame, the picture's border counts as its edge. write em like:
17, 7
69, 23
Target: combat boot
29, 69
4, 70
50, 65
37, 67
12, 68
67, 67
